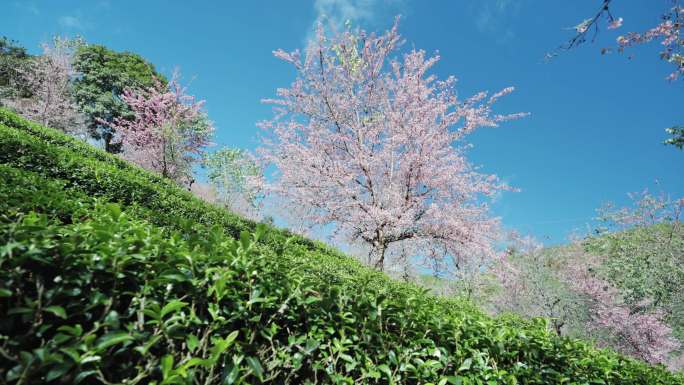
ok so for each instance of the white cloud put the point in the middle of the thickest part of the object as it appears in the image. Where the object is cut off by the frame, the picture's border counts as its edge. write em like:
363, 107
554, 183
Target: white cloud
69, 21
28, 7
365, 13
495, 17
339, 11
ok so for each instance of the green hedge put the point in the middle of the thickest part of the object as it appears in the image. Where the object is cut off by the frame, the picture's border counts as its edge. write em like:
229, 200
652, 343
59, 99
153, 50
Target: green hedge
157, 289
56, 155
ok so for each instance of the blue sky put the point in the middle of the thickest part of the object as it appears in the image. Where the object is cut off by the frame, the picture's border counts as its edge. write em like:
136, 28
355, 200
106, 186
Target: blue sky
597, 121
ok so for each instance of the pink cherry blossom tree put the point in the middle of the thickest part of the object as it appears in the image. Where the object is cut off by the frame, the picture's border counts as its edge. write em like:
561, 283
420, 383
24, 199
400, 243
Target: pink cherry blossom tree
47, 80
628, 329
564, 285
531, 283
621, 288
168, 132
374, 146
643, 250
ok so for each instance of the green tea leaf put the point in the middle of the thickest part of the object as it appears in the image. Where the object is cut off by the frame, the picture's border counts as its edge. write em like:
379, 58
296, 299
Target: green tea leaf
172, 307
255, 366
112, 339
57, 310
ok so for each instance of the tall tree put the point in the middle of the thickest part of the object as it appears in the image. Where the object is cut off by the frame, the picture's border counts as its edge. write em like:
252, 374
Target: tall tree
104, 75
374, 146
13, 63
168, 132
47, 81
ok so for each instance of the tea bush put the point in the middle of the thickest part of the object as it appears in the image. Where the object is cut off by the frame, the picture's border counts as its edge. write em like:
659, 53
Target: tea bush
109, 274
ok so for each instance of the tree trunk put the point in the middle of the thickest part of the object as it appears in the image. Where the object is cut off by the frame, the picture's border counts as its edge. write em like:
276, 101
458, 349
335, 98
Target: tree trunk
109, 144
558, 327
164, 172
380, 262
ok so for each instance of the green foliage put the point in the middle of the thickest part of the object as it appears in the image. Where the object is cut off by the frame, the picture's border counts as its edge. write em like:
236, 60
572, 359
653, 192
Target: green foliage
677, 138
102, 174
539, 287
13, 58
647, 264
229, 171
104, 74
162, 288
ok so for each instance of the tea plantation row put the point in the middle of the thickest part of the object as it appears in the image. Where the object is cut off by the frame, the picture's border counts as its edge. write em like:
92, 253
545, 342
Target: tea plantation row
109, 274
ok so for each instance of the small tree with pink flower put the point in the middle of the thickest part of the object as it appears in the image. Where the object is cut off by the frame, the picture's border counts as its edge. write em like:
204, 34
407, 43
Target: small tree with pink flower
168, 133
47, 80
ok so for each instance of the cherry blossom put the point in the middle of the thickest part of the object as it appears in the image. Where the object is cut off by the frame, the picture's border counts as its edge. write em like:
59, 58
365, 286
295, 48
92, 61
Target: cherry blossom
48, 81
374, 147
168, 132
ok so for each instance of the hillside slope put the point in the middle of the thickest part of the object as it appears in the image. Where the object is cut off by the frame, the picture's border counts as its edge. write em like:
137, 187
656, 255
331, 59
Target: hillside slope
110, 274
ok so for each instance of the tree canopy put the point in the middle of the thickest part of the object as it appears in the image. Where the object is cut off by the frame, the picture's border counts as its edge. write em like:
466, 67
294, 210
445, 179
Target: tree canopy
104, 75
13, 58
375, 146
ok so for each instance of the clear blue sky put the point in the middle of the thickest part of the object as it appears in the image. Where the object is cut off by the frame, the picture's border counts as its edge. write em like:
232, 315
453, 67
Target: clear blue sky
597, 121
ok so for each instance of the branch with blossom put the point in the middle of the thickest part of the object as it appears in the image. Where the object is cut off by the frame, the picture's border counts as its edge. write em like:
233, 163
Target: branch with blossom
668, 31
587, 26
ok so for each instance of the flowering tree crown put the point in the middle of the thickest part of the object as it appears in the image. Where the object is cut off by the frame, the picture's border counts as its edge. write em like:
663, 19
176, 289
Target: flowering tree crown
374, 145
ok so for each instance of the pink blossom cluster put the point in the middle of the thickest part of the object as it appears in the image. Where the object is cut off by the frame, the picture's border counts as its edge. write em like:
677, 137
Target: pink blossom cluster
168, 131
374, 146
648, 210
48, 80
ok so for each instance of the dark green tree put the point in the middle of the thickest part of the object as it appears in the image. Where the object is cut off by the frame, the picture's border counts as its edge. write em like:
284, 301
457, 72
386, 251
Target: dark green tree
104, 74
13, 57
